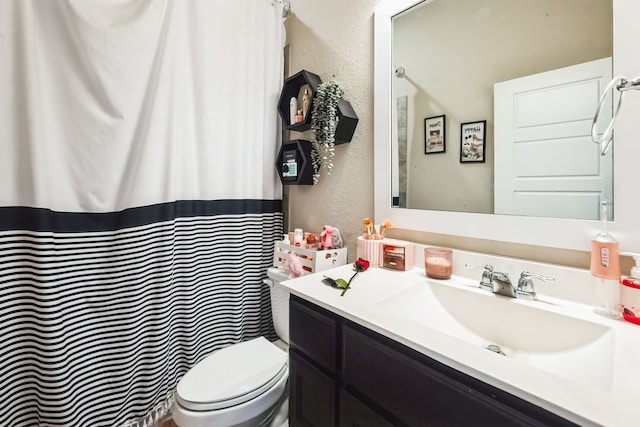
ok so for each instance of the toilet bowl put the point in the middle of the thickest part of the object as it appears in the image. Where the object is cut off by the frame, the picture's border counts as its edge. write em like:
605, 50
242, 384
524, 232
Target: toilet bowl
244, 384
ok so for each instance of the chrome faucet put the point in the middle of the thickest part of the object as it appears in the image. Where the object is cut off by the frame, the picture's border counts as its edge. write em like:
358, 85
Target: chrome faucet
500, 283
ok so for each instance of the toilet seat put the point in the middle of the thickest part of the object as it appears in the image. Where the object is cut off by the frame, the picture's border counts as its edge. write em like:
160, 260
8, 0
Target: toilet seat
232, 376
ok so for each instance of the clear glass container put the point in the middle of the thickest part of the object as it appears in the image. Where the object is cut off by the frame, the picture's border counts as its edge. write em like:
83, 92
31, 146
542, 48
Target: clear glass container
438, 263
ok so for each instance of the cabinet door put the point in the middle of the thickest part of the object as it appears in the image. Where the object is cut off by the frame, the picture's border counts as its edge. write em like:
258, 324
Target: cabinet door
354, 413
312, 332
312, 395
416, 391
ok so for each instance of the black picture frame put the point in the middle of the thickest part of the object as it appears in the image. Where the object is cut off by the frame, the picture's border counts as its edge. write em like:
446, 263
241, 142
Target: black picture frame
473, 142
435, 135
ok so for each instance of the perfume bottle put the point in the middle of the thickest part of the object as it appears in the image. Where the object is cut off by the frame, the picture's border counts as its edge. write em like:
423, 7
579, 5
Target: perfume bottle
305, 103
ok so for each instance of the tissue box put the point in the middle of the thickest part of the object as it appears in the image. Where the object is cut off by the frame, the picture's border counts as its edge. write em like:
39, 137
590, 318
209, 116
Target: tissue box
397, 255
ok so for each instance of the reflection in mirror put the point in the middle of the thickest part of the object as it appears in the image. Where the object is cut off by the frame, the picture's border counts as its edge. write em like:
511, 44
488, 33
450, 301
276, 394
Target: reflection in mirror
534, 71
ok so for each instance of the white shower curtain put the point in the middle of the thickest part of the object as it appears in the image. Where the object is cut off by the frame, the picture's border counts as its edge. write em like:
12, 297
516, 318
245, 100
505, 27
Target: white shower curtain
139, 199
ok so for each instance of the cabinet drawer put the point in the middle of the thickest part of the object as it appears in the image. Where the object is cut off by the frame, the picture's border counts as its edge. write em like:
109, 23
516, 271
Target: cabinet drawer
312, 332
412, 389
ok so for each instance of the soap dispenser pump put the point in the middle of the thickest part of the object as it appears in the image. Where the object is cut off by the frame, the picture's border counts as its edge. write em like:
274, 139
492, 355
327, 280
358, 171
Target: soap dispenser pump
605, 268
630, 292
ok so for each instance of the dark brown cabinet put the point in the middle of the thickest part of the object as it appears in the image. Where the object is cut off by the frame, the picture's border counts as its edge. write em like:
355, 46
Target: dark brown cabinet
354, 413
342, 374
312, 396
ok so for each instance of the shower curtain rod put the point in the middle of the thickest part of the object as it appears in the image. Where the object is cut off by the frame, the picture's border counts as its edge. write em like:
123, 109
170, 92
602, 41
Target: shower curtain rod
286, 6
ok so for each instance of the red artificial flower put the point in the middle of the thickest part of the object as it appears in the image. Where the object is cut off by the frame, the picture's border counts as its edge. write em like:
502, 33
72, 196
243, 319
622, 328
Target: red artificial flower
361, 265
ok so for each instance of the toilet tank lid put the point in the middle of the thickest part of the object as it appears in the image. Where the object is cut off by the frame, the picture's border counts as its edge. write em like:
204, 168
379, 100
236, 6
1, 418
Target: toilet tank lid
277, 274
232, 372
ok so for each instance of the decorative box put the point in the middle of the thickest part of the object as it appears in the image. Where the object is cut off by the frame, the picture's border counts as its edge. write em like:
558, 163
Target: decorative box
397, 254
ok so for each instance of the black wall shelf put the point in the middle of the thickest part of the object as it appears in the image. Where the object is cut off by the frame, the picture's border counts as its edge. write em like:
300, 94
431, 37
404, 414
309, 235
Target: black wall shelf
347, 122
347, 117
294, 163
291, 88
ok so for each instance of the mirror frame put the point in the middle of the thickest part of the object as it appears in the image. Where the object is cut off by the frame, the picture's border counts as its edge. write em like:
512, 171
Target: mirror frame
548, 232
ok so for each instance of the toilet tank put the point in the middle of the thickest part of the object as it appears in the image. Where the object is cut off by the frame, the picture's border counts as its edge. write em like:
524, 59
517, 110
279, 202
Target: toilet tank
279, 303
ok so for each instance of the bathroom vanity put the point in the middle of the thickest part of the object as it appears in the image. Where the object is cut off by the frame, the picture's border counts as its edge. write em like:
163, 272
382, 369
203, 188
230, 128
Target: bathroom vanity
339, 370
401, 349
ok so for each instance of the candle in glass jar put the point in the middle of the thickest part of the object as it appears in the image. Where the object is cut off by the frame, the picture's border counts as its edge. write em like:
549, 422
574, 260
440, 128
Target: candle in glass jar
437, 263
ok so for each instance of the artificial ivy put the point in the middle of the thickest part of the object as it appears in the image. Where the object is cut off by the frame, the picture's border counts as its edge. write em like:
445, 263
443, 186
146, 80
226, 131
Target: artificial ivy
324, 121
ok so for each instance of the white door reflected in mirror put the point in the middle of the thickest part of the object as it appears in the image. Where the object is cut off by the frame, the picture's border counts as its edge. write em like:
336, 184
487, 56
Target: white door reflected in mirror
545, 162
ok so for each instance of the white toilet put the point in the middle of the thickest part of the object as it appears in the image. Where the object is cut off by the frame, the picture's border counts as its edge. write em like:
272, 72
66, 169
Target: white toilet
245, 384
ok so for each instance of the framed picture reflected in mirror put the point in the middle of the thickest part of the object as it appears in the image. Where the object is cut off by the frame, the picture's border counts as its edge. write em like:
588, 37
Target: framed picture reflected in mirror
473, 139
435, 135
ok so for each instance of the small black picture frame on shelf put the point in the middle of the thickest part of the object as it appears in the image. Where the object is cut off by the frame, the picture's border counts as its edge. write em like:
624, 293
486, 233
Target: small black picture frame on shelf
473, 142
435, 135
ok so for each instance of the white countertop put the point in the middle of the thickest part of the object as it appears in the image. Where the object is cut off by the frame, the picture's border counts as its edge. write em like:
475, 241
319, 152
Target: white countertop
581, 404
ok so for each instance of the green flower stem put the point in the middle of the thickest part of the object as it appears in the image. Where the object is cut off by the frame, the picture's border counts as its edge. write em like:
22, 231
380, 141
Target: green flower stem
349, 282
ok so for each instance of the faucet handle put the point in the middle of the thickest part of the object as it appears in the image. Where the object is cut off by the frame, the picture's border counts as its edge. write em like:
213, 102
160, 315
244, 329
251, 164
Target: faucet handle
486, 282
525, 288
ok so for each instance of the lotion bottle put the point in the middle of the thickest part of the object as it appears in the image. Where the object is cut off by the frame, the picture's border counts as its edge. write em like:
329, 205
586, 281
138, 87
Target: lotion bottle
293, 109
298, 236
605, 269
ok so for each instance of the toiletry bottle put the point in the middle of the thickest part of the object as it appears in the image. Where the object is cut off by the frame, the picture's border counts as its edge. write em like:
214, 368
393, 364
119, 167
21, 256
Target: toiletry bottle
299, 117
298, 236
630, 292
305, 103
293, 109
605, 268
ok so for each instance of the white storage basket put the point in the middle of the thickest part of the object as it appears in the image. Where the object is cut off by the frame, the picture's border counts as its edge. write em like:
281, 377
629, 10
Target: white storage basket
312, 261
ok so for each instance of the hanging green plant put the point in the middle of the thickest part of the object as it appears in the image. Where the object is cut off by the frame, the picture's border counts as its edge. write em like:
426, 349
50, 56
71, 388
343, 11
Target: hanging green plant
324, 121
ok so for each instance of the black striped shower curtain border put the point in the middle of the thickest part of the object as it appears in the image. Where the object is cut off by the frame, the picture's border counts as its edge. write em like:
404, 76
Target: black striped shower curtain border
102, 313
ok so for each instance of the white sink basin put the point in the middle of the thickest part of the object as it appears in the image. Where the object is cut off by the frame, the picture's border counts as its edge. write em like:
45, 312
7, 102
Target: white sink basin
565, 346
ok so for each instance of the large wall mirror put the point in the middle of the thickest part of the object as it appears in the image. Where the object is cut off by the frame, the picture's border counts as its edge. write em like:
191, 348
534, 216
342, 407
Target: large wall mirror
527, 107
483, 113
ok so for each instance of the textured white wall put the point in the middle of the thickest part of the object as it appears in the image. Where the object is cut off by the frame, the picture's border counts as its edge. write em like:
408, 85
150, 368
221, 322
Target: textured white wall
334, 39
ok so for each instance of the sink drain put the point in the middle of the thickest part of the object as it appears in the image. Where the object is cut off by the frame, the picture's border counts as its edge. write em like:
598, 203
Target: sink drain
495, 349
